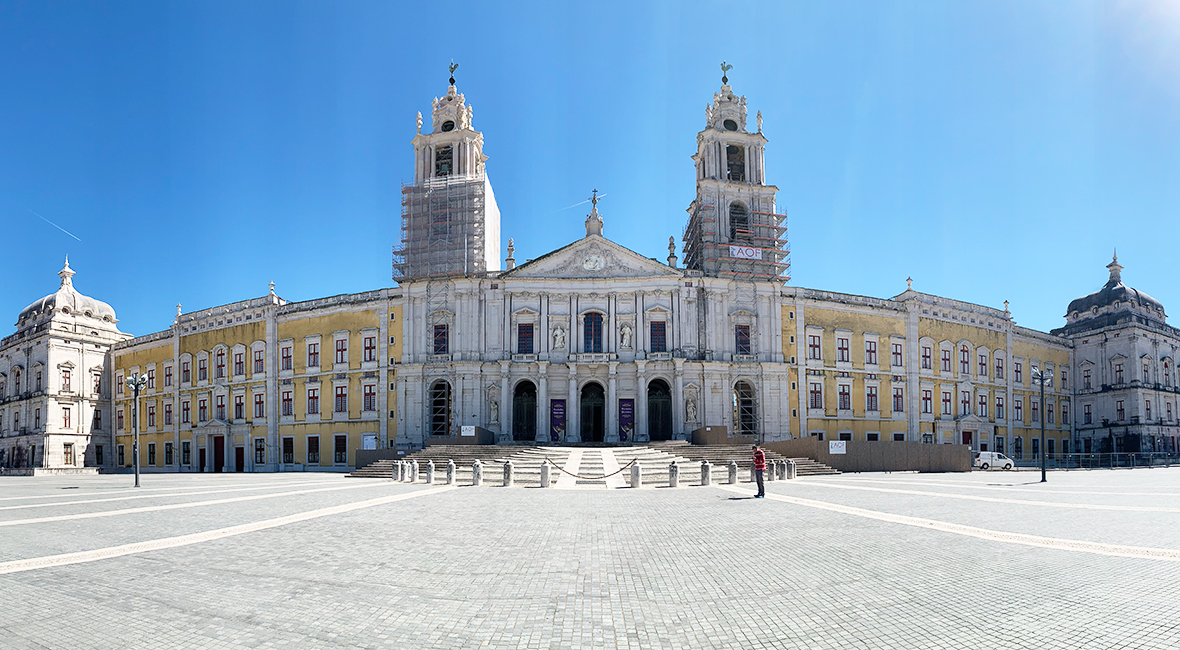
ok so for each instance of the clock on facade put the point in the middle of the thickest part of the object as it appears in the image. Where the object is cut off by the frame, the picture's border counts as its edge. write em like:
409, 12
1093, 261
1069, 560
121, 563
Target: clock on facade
593, 263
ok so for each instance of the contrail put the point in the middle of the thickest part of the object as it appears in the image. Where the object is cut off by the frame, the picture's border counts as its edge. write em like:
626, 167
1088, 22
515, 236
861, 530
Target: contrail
56, 226
600, 196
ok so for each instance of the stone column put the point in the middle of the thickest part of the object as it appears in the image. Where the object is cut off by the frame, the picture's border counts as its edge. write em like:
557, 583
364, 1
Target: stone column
641, 432
678, 400
505, 407
542, 402
612, 405
572, 413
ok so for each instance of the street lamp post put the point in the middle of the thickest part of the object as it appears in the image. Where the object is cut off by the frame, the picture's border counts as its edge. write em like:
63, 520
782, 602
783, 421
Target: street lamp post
136, 383
1041, 376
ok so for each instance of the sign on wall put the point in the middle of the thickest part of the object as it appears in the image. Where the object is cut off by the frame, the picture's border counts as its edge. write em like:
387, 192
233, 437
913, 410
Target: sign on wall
556, 420
626, 419
837, 447
467, 430
745, 252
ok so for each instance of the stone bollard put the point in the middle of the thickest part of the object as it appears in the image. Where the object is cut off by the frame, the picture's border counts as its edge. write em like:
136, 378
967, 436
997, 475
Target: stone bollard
752, 477
783, 469
636, 476
477, 472
673, 475
401, 470
545, 475
450, 472
790, 470
508, 473
413, 471
393, 470
772, 470
733, 472
706, 473
430, 472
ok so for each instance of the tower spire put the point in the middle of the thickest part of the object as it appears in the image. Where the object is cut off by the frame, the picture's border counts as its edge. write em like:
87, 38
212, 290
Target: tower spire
1115, 269
66, 273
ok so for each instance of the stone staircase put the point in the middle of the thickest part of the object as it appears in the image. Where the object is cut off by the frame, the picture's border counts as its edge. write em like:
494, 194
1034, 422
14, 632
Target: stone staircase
720, 455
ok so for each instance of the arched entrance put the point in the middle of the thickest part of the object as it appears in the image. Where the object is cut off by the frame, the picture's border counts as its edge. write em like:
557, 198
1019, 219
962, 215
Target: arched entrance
593, 413
745, 414
524, 411
659, 410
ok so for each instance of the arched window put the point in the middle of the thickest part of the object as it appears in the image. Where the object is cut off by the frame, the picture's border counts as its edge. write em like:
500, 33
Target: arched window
745, 415
735, 162
443, 158
739, 222
592, 332
524, 411
440, 408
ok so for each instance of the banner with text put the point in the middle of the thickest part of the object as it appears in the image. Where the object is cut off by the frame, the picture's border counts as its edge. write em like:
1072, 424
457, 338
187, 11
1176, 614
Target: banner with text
626, 419
556, 420
745, 252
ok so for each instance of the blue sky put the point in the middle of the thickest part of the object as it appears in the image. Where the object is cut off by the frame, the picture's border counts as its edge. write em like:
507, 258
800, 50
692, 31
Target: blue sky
992, 150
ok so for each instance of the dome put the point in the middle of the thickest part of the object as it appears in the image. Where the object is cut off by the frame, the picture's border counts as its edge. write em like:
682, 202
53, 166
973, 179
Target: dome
67, 298
1114, 291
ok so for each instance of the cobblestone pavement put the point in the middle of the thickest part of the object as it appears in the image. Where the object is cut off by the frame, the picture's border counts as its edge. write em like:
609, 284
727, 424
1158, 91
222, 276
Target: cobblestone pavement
355, 563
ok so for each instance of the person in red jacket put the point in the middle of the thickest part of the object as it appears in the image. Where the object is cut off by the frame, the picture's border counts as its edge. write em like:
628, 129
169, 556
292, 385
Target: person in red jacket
759, 468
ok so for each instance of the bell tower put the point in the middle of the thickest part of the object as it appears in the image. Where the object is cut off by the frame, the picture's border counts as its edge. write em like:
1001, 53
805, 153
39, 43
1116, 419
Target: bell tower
733, 228
450, 221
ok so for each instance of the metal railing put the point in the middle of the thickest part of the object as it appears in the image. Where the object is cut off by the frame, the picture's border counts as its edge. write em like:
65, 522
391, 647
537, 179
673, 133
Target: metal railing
1102, 461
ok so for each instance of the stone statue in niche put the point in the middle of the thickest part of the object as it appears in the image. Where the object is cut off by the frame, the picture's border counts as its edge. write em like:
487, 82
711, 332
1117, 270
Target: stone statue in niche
494, 412
558, 338
625, 335
690, 411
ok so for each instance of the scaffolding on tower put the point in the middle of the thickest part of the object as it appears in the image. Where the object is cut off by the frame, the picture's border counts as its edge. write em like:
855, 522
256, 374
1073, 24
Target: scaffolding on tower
764, 237
442, 228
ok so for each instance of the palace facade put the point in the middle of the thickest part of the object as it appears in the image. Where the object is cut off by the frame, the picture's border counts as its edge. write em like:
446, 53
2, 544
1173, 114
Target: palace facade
590, 342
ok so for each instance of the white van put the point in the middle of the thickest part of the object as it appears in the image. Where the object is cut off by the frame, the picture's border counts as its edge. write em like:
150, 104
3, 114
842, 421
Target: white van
990, 459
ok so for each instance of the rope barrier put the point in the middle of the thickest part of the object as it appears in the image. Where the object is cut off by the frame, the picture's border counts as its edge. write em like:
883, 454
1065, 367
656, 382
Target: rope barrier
590, 478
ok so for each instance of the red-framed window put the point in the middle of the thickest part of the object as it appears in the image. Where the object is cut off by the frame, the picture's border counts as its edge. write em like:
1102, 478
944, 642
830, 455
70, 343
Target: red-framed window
871, 399
981, 411
185, 412
65, 380
927, 401
442, 342
659, 336
898, 400
965, 402
151, 415
369, 393
167, 415
524, 338
1018, 409
1035, 407
999, 367
946, 360
815, 396
341, 350
1087, 416
370, 348
342, 399
999, 407
313, 354
239, 364
288, 405
983, 365
202, 410
946, 403
259, 361
259, 406
1018, 372
313, 400
964, 360
186, 372
813, 346
844, 397
1119, 412
202, 369
167, 376
871, 354
741, 335
896, 353
220, 368
926, 357
285, 362
1118, 373
843, 349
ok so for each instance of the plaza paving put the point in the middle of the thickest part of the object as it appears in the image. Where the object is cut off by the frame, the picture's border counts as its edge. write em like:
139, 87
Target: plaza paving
981, 560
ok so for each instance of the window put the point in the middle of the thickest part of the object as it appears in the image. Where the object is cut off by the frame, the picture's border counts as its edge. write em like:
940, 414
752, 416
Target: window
288, 450
1018, 448
151, 459
151, 379
65, 417
185, 372
1064, 379
871, 353
68, 453
98, 455
946, 360
16, 383
659, 337
898, 400
342, 399
871, 398
97, 420
741, 335
259, 361
964, 360
259, 406
313, 400
1147, 409
815, 396
36, 418
285, 358
1145, 373
184, 412
313, 354
524, 338
440, 408
896, 353
121, 454
443, 161
946, 402
65, 380
844, 397
735, 164
1087, 416
1086, 379
186, 452
1167, 374
370, 348
239, 407
1049, 446
813, 346
981, 411
1119, 412
999, 368
151, 415
220, 405
313, 450
983, 365
999, 407
167, 415
370, 397
1065, 413
97, 386
1036, 448
38, 386
1169, 411
220, 367
745, 417
1035, 407
202, 369
442, 340
1118, 373
259, 451
926, 361
845, 436
964, 403
118, 419
739, 222
340, 452
1018, 409
167, 376
288, 406
843, 349
927, 401
342, 351
1018, 370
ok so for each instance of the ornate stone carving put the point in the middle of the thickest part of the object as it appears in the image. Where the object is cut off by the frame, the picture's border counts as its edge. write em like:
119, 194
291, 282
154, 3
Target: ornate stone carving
625, 337
558, 338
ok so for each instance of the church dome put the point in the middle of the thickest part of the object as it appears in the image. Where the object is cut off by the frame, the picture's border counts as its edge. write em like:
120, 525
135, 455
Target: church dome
68, 300
1112, 293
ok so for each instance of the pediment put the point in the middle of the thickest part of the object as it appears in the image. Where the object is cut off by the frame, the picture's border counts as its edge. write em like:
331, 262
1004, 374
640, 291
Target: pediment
593, 257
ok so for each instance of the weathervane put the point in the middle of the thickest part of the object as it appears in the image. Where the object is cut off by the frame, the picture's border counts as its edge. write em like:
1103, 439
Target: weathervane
724, 69
453, 67
594, 200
